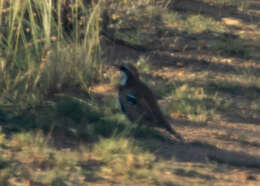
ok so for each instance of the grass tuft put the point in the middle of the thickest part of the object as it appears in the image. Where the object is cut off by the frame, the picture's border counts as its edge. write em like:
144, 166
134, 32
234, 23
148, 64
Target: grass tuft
192, 24
194, 103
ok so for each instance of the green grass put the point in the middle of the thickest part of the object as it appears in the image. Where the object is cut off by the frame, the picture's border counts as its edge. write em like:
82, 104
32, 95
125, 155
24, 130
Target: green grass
191, 173
192, 24
45, 162
145, 26
122, 157
31, 157
230, 47
237, 84
194, 103
135, 25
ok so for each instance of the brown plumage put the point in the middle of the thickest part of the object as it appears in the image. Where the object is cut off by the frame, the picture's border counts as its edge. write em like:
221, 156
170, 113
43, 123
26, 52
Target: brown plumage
138, 101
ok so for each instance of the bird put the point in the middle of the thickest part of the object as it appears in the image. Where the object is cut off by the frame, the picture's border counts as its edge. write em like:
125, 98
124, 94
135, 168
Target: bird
138, 102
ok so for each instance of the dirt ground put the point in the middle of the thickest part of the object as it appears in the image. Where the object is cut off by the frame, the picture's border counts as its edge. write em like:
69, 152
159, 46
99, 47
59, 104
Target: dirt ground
226, 150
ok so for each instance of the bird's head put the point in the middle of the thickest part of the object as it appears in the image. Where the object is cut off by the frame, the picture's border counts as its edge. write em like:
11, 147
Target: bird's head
127, 72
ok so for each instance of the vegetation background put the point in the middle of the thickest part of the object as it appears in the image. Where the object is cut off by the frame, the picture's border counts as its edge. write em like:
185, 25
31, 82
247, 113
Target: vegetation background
59, 119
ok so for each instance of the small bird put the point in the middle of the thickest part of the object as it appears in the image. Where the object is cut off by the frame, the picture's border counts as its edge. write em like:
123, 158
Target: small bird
138, 102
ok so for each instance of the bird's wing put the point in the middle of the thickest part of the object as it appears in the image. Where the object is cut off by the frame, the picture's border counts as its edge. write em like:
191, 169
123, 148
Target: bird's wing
148, 108
155, 116
131, 99
141, 105
147, 104
129, 105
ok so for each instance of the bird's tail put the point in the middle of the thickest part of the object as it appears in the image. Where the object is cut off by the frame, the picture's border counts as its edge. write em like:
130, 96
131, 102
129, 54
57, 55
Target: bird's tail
177, 135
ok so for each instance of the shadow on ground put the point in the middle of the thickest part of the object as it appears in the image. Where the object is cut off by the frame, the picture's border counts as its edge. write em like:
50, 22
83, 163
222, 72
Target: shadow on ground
202, 152
212, 10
